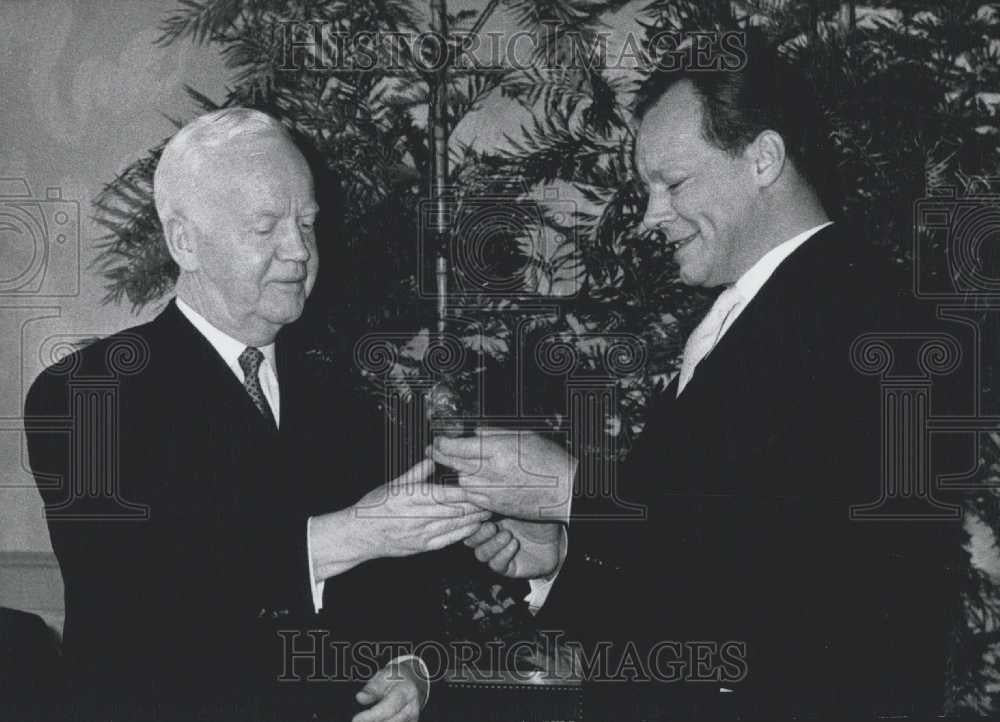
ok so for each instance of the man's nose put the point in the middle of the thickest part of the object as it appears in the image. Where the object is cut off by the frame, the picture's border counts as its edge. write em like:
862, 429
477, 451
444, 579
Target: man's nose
294, 245
659, 210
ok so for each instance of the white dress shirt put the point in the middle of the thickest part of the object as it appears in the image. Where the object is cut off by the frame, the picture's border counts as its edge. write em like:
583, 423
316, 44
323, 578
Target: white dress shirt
230, 349
748, 285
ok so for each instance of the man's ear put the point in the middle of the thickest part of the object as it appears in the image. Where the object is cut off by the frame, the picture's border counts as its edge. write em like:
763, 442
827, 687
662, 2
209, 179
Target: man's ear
181, 243
767, 152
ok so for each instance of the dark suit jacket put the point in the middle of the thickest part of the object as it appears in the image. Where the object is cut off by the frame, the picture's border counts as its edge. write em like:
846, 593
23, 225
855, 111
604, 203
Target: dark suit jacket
29, 658
179, 520
747, 479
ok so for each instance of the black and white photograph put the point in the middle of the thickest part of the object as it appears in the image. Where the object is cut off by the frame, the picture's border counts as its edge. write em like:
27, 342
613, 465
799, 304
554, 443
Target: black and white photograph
499, 360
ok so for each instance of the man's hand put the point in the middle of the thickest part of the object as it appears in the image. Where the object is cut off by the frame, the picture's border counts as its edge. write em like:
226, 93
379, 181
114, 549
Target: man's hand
518, 549
519, 473
397, 691
406, 516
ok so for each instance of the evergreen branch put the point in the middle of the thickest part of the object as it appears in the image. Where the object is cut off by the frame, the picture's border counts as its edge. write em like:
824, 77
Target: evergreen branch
200, 21
484, 16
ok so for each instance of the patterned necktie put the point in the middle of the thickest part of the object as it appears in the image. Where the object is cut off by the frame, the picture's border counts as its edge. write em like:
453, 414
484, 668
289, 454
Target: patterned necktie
250, 361
707, 334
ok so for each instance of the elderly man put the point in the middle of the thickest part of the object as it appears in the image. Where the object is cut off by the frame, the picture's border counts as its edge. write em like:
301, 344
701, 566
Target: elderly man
197, 532
751, 461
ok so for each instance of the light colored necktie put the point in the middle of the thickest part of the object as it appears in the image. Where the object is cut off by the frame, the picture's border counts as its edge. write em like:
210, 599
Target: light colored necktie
707, 334
250, 361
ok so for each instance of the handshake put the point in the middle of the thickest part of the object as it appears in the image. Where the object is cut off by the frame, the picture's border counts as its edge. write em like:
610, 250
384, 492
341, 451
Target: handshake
520, 480
527, 481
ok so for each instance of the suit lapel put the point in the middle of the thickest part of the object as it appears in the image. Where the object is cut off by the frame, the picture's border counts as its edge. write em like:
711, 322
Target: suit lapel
737, 386
293, 382
202, 369
758, 329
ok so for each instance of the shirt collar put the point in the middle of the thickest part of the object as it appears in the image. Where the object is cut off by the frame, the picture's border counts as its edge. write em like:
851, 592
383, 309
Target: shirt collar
226, 346
751, 282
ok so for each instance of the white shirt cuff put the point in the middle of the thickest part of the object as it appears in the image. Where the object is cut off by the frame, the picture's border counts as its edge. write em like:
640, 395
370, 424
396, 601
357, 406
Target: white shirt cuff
540, 588
423, 668
316, 587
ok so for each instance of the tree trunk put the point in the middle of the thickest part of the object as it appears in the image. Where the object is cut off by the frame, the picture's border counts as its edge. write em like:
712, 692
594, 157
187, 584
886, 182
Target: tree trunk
437, 128
848, 16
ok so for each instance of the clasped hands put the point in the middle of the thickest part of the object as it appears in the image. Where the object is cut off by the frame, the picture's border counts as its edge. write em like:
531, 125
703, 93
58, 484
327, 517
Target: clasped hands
520, 476
528, 481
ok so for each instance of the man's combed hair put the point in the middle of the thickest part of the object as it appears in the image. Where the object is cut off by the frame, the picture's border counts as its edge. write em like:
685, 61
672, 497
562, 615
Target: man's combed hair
764, 93
199, 138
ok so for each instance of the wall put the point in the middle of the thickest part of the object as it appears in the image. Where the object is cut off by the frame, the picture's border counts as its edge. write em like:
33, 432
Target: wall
83, 92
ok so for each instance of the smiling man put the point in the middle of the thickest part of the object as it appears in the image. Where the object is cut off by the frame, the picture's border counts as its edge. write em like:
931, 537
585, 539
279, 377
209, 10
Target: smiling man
723, 211
208, 503
752, 459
